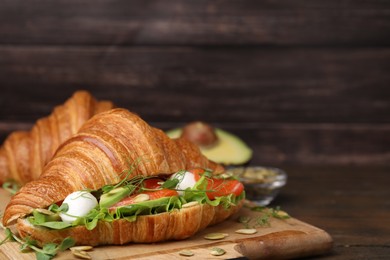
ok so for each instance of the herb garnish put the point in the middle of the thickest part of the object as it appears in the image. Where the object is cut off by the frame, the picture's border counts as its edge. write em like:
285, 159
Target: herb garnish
47, 252
130, 212
11, 186
244, 220
264, 219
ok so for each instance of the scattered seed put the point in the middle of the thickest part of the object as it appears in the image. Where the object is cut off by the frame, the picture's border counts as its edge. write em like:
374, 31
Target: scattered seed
215, 236
190, 204
186, 253
226, 175
281, 214
246, 231
81, 248
81, 254
216, 251
141, 198
45, 211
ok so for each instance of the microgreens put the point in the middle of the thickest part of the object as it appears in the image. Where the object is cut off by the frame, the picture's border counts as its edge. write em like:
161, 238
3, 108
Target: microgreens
125, 180
244, 220
8, 235
47, 252
11, 186
130, 212
258, 208
264, 219
208, 173
170, 184
58, 209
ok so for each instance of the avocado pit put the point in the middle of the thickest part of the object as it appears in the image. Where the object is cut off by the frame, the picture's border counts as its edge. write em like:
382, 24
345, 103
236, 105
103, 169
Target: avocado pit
200, 133
216, 144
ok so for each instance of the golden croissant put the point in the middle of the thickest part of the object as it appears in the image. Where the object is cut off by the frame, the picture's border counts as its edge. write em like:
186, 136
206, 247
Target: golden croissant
24, 153
97, 157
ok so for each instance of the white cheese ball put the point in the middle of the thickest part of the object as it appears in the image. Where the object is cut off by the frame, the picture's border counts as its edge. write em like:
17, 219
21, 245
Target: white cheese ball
80, 203
186, 180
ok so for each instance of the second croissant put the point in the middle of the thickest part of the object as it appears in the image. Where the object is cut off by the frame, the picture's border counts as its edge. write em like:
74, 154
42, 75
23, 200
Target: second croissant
132, 183
24, 154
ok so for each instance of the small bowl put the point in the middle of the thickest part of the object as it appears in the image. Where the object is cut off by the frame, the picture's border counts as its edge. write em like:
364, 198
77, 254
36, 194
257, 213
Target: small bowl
262, 184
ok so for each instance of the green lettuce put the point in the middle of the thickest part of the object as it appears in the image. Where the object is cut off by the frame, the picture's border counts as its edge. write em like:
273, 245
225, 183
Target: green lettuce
130, 212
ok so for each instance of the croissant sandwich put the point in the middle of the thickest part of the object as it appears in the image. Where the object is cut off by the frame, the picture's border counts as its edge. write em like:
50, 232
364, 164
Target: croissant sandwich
119, 180
24, 153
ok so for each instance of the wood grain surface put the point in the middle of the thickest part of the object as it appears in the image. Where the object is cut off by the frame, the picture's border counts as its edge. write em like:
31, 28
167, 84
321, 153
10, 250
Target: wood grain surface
304, 83
349, 202
274, 86
195, 22
307, 79
288, 238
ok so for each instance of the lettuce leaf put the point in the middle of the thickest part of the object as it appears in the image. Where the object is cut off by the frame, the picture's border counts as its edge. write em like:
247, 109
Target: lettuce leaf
130, 212
150, 207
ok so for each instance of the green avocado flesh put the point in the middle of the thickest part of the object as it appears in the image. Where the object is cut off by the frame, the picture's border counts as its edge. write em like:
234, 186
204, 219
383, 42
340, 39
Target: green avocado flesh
230, 149
110, 198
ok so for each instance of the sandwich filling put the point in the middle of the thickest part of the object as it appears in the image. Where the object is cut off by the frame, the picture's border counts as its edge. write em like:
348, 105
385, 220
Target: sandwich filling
140, 196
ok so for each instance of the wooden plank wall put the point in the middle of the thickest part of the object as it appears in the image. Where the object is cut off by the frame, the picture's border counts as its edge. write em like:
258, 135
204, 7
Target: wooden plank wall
302, 82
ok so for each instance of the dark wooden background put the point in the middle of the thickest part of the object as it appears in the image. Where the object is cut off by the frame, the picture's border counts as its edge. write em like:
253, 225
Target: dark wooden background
306, 83
303, 82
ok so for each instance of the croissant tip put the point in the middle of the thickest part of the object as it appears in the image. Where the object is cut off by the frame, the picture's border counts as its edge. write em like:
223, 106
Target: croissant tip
110, 140
9, 221
3, 166
81, 92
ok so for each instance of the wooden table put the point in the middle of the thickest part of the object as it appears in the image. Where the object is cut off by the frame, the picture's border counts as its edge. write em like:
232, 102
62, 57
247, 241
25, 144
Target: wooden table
312, 77
350, 202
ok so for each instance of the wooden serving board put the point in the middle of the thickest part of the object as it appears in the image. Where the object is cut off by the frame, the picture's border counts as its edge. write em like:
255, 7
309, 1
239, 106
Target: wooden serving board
289, 238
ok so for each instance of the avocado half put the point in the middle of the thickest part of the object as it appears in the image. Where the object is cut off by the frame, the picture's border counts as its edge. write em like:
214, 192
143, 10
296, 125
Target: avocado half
230, 149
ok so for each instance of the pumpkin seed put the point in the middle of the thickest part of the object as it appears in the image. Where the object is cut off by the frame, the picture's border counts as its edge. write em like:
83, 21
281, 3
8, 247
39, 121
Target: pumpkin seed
81, 254
190, 204
215, 236
216, 251
141, 198
81, 248
246, 231
186, 253
45, 211
226, 175
281, 214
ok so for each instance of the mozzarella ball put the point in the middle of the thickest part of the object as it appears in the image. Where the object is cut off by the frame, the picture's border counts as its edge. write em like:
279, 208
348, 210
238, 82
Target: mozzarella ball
186, 180
80, 203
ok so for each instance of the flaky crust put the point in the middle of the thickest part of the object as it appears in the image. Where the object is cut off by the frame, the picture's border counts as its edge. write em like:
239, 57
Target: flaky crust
100, 154
146, 229
24, 153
